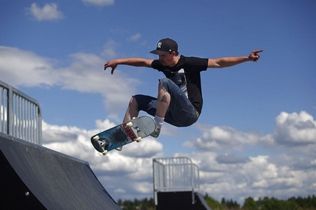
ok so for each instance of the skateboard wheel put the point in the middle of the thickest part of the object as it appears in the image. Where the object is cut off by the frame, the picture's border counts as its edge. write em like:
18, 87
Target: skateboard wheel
104, 152
129, 124
119, 148
138, 139
96, 138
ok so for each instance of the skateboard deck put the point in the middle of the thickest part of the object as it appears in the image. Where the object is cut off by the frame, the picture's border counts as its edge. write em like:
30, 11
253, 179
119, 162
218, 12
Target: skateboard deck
125, 133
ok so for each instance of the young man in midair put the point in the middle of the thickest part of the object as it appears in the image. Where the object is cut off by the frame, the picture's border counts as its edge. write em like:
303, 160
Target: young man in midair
179, 101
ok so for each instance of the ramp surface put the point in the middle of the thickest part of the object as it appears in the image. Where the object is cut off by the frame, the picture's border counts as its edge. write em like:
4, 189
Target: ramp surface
34, 177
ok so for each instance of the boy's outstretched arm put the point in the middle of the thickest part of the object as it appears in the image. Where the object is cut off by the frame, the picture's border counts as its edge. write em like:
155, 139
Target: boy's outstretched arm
127, 61
230, 61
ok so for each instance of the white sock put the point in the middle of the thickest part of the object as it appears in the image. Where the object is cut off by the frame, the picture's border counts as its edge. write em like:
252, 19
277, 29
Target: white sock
159, 121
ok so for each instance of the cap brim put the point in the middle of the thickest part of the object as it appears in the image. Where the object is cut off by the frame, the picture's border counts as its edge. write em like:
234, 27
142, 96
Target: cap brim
159, 52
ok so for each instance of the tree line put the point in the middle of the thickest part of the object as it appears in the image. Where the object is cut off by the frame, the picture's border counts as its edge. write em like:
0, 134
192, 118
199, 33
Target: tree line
265, 203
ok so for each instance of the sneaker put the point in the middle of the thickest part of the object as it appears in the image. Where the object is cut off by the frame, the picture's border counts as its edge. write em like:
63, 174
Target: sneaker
156, 132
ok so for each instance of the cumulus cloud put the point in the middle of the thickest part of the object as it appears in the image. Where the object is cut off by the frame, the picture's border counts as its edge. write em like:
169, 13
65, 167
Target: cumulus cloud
262, 174
237, 164
84, 74
295, 129
115, 89
291, 129
48, 12
217, 136
259, 176
16, 65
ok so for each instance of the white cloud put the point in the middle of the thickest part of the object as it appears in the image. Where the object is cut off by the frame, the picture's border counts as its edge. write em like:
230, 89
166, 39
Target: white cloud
236, 164
16, 65
146, 148
84, 74
46, 13
219, 136
99, 3
295, 129
291, 129
116, 89
258, 177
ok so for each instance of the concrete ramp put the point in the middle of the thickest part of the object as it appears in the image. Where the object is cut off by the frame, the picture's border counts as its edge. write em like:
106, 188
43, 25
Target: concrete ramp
34, 177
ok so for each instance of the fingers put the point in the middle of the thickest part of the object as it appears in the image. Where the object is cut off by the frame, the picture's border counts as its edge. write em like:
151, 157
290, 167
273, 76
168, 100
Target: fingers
255, 55
257, 51
107, 65
112, 68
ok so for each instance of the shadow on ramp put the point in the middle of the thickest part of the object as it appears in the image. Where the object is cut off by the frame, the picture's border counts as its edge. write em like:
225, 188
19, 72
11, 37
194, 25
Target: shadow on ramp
34, 177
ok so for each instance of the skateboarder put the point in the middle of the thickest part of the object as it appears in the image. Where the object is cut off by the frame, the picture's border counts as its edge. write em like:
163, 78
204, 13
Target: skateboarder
179, 100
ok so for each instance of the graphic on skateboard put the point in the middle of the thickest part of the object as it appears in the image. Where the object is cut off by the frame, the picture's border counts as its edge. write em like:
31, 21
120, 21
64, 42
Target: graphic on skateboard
120, 135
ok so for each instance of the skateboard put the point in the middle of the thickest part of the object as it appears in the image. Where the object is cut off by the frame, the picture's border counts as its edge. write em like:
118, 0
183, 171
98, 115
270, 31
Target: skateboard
125, 133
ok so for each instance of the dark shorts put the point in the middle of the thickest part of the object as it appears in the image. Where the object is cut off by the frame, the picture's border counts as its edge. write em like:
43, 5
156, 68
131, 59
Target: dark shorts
181, 112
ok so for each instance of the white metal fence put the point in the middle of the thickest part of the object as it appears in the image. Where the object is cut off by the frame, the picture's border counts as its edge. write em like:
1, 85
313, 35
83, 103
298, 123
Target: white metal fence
174, 175
20, 115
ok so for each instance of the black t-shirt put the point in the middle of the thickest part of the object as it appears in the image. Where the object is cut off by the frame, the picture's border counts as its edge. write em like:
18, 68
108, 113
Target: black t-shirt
191, 66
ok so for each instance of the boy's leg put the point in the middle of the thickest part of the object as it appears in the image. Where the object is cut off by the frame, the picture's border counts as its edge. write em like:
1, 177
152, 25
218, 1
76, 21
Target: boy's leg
163, 101
132, 110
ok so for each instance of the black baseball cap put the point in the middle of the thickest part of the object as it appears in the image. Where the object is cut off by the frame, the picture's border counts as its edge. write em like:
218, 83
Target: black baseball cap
165, 45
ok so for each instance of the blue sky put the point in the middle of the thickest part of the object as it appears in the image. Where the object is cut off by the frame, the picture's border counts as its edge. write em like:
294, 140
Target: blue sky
257, 113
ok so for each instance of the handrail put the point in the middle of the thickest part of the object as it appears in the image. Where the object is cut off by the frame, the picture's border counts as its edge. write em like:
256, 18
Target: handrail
20, 115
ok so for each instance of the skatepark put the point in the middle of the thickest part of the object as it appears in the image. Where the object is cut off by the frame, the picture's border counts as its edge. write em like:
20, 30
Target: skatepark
35, 177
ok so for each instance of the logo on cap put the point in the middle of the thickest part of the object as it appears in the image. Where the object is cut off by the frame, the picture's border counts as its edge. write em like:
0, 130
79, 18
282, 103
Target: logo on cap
159, 45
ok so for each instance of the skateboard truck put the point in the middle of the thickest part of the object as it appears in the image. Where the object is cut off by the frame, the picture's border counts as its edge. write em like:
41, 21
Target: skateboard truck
129, 131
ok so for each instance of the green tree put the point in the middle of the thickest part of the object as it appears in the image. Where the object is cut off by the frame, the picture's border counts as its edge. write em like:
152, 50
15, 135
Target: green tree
229, 204
211, 202
250, 204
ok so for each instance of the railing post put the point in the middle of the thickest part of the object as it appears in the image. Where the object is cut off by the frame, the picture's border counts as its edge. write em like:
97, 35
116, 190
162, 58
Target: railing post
10, 112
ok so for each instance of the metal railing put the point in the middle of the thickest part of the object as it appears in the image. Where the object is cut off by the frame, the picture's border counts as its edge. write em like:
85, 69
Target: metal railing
174, 175
20, 115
